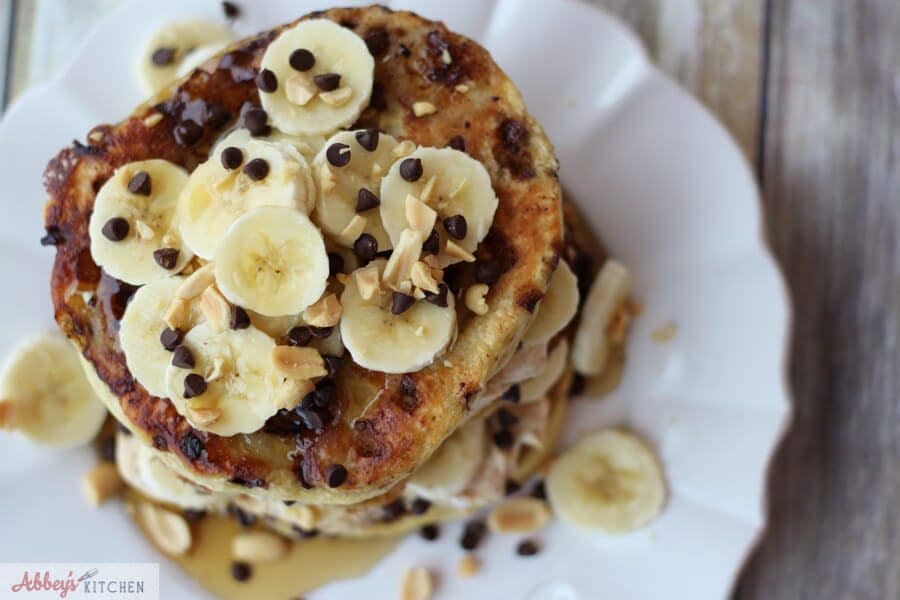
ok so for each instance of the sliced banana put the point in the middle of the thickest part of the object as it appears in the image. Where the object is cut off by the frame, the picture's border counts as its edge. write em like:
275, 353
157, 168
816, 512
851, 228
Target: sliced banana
241, 388
44, 394
337, 204
453, 466
590, 350
161, 59
453, 184
300, 105
215, 195
610, 481
535, 388
134, 234
557, 308
272, 260
306, 144
379, 340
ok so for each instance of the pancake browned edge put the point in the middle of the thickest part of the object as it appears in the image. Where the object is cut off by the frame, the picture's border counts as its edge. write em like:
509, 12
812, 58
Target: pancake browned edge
411, 414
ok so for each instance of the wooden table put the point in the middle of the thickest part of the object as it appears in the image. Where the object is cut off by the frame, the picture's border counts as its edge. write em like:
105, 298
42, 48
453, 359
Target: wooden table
811, 91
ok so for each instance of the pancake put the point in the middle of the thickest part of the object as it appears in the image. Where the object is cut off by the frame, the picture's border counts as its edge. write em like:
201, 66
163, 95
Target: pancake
407, 416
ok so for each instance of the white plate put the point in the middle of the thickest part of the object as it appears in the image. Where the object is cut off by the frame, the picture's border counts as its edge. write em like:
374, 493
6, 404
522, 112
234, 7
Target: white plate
661, 182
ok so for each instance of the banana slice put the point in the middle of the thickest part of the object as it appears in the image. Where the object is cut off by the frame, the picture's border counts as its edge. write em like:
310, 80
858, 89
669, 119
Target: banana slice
241, 387
451, 468
160, 61
590, 350
308, 145
264, 173
355, 184
535, 388
272, 260
415, 337
324, 75
133, 227
450, 182
557, 308
44, 394
140, 330
609, 481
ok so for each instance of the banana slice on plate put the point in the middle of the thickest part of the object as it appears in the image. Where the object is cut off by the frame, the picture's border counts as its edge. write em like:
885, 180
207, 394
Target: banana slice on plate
272, 260
233, 385
610, 481
133, 227
350, 167
172, 45
590, 350
451, 183
44, 394
532, 390
451, 468
556, 309
242, 173
370, 325
322, 75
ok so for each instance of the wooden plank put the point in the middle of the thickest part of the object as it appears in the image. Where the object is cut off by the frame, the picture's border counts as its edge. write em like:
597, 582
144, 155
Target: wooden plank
832, 171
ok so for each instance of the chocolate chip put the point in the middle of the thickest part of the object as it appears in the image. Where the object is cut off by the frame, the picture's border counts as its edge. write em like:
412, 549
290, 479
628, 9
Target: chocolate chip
439, 299
232, 158
327, 82
299, 336
366, 200
368, 139
188, 133
304, 534
338, 154
193, 515
513, 394
377, 41
579, 383
393, 510
52, 237
183, 358
241, 571
140, 183
332, 365
311, 419
473, 533
419, 506
239, 319
194, 385
336, 475
302, 59
116, 229
432, 243
335, 264
378, 101
167, 258
400, 303
539, 491
457, 142
487, 272
511, 487
527, 548
191, 446
162, 57
504, 439
430, 532
170, 338
365, 247
243, 518
411, 169
456, 226
289, 502
256, 169
324, 394
256, 120
266, 81
506, 419
231, 10
321, 332
217, 116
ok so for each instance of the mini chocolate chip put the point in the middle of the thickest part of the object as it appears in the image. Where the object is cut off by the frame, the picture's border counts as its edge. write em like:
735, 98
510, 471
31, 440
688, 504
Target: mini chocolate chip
217, 116
365, 247
487, 272
243, 518
239, 319
193, 515
257, 169
116, 229
256, 120
366, 200
188, 133
321, 332
527, 548
311, 419
241, 571
232, 158
393, 510
512, 487
419, 506
190, 444
457, 142
162, 57
332, 365
170, 338
506, 418
378, 101
456, 226
231, 10
304, 534
289, 502
335, 264
430, 532
183, 358
194, 385
140, 183
439, 299
324, 394
266, 81
432, 243
377, 41
302, 59
473, 533
513, 394
368, 139
539, 491
338, 154
299, 336
400, 303
167, 258
579, 383
411, 169
327, 82
504, 439
336, 475
52, 237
